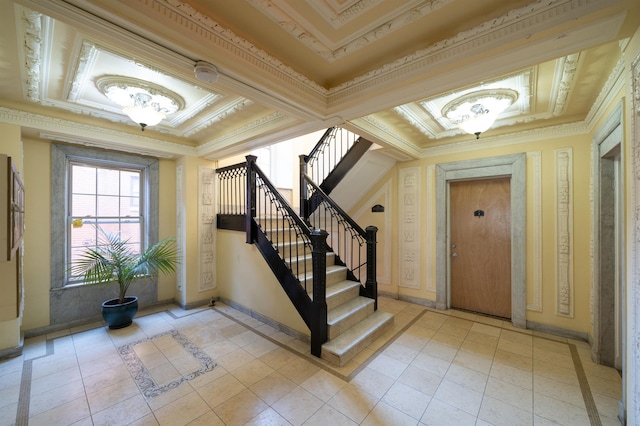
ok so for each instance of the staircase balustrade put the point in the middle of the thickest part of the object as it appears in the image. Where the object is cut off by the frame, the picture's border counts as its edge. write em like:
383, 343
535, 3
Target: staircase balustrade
249, 202
282, 237
353, 246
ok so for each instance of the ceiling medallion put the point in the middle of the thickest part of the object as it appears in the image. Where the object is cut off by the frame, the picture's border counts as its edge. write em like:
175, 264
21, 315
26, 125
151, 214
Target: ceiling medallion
476, 112
146, 103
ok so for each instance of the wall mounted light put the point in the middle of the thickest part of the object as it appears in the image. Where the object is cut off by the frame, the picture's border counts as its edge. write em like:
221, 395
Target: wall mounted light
476, 112
145, 103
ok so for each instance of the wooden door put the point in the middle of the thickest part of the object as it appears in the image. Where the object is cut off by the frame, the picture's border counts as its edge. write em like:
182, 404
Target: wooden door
480, 246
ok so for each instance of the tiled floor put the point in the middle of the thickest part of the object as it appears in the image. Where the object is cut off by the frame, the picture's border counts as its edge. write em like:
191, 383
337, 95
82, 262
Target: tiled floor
218, 366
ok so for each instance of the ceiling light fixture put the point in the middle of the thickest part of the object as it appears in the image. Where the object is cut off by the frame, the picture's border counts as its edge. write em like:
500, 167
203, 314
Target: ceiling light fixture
476, 112
145, 103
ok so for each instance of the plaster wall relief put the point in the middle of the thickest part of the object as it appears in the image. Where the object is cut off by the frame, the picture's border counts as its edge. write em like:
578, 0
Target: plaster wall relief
564, 232
430, 233
206, 228
409, 227
534, 160
634, 303
181, 273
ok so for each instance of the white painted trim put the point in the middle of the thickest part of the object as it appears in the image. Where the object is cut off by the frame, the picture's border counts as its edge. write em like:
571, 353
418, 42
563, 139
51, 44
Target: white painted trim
535, 162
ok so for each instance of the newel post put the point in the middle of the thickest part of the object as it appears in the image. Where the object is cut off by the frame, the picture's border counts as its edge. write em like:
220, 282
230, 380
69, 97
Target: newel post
304, 204
251, 198
372, 283
319, 306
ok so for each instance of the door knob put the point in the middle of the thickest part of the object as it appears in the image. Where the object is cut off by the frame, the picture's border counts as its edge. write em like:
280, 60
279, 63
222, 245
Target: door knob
454, 254
453, 245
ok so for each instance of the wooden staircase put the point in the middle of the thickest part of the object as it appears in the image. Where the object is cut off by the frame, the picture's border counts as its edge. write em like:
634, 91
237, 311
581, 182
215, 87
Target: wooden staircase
352, 321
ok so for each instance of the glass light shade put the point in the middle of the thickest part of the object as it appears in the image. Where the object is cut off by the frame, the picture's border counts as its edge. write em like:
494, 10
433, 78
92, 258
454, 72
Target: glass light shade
144, 115
477, 111
478, 123
146, 103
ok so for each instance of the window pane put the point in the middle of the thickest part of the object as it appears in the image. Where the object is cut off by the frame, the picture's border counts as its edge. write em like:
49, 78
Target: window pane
131, 232
108, 182
108, 206
130, 183
110, 227
84, 179
83, 205
83, 236
129, 206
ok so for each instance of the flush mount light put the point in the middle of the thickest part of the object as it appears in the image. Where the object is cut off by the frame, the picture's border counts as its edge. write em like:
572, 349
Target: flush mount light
146, 104
206, 72
476, 112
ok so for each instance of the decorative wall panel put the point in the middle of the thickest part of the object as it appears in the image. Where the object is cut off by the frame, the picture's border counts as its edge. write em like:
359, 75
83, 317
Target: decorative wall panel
206, 228
409, 215
564, 232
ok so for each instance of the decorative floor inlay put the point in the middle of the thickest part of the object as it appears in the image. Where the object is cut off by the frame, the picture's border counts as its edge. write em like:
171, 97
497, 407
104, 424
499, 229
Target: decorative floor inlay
164, 361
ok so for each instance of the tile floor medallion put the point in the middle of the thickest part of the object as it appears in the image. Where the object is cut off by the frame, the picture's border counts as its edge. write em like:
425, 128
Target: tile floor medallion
164, 361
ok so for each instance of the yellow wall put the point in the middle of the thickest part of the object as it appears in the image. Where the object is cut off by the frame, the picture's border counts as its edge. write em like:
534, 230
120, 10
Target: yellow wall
37, 252
37, 255
245, 278
10, 318
581, 146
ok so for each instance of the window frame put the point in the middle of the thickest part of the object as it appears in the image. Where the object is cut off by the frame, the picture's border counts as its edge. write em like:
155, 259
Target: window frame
61, 158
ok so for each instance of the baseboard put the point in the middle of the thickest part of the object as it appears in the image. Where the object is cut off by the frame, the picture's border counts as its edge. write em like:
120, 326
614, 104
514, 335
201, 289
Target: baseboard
269, 321
197, 304
34, 332
557, 331
12, 352
424, 302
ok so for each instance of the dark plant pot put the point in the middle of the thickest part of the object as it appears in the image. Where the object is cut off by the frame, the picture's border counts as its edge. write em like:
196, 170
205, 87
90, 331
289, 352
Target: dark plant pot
119, 315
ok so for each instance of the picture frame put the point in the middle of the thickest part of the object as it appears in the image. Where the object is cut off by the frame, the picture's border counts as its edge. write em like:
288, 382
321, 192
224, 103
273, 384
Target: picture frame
15, 214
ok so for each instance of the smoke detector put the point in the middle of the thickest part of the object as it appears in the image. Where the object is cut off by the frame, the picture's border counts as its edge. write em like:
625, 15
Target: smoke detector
206, 72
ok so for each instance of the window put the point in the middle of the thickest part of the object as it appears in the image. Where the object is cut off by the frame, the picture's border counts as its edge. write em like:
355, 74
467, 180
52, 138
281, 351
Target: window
103, 197
112, 189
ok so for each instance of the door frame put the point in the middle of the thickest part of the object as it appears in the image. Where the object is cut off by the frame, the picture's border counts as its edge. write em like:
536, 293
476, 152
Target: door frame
607, 139
513, 166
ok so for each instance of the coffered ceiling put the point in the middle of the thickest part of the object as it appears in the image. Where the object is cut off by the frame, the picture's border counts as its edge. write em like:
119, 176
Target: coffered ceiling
383, 68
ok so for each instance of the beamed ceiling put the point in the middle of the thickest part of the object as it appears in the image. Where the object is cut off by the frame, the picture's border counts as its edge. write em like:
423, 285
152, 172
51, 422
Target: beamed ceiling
382, 68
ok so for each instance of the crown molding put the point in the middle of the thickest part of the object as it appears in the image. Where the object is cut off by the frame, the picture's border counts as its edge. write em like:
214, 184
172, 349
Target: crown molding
543, 133
515, 25
242, 134
90, 135
305, 33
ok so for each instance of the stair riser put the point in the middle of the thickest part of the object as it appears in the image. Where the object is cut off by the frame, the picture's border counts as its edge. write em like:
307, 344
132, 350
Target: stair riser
335, 300
355, 317
332, 277
292, 250
308, 263
347, 356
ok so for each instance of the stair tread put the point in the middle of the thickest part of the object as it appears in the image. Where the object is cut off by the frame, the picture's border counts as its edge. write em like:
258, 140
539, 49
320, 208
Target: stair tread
354, 335
339, 287
330, 269
344, 310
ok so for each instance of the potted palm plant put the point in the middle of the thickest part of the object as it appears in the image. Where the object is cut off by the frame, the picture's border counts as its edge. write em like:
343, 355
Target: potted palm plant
114, 261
